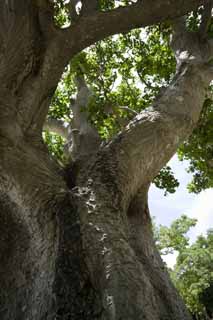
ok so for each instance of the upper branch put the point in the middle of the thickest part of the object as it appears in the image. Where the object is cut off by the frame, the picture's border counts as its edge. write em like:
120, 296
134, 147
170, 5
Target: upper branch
138, 153
98, 25
152, 138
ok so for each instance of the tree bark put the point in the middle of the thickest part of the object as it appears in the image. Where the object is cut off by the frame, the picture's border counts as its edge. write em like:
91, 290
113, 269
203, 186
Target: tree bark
84, 249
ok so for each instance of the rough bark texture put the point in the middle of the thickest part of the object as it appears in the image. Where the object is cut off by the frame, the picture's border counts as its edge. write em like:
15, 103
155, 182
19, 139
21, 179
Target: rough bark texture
82, 248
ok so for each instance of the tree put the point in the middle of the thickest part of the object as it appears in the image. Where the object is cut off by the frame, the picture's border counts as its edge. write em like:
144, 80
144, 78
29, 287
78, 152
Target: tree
173, 238
192, 273
76, 242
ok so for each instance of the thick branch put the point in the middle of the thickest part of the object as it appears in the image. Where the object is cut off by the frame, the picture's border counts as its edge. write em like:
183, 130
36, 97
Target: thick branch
136, 155
99, 25
72, 9
150, 140
84, 137
89, 6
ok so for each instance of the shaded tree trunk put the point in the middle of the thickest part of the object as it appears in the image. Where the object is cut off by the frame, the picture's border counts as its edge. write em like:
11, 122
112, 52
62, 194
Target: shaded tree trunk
85, 251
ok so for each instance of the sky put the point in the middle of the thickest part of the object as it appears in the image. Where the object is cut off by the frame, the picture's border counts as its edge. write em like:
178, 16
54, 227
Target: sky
167, 209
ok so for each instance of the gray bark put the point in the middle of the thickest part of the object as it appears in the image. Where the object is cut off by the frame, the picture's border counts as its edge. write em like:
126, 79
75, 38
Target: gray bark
84, 250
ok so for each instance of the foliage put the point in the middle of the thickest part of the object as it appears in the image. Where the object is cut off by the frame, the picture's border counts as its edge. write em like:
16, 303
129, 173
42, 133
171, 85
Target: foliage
61, 13
206, 298
193, 273
55, 144
174, 237
166, 180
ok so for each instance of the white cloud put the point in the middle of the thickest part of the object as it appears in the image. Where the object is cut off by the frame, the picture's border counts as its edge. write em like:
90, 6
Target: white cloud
170, 259
202, 210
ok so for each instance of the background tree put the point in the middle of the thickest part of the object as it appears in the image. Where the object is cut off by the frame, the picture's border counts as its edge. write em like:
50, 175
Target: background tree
192, 273
80, 235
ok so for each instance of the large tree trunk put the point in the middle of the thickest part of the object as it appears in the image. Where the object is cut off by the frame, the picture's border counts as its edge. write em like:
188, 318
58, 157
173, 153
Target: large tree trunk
85, 250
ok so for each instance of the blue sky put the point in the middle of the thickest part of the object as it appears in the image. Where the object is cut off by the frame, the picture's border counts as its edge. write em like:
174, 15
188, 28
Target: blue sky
166, 209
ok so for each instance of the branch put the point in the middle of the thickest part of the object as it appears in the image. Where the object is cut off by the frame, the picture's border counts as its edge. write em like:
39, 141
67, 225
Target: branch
84, 137
46, 14
180, 38
57, 126
138, 153
128, 109
89, 7
72, 10
152, 138
99, 25
189, 47
206, 18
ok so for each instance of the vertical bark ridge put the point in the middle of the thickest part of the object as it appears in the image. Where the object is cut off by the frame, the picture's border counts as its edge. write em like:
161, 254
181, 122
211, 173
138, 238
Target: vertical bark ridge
34, 189
75, 297
27, 264
14, 244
